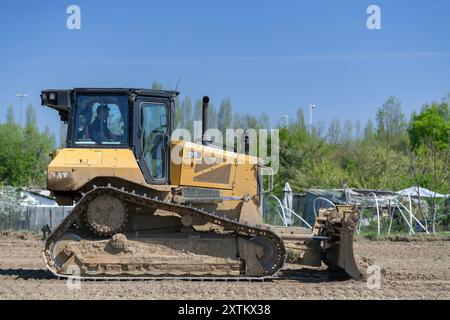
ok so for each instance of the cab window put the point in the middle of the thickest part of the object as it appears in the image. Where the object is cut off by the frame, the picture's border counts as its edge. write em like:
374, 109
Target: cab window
101, 120
154, 125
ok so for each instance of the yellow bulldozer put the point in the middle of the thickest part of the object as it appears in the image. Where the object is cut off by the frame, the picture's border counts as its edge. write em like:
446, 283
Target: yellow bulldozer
139, 214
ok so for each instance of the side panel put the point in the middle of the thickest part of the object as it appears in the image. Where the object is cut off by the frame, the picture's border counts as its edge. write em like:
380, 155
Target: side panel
72, 168
235, 176
207, 167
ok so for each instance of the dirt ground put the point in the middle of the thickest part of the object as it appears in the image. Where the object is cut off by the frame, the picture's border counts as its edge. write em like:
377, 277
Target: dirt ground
411, 270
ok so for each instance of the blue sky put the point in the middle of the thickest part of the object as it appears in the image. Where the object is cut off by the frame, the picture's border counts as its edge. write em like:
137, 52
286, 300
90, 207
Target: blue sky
271, 56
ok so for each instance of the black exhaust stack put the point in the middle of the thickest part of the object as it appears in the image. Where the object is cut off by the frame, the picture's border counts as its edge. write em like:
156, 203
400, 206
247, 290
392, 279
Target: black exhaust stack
205, 109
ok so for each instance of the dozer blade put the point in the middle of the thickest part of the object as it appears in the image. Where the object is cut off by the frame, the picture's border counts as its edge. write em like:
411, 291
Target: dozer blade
338, 225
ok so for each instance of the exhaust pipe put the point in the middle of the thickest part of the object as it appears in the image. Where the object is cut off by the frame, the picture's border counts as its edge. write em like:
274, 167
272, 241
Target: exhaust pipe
205, 109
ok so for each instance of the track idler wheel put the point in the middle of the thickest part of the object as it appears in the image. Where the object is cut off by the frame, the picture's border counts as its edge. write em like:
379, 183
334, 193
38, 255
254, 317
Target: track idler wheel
106, 215
268, 258
58, 252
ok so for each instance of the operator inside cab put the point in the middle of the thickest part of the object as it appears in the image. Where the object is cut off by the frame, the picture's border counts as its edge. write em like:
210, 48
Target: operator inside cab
99, 130
101, 120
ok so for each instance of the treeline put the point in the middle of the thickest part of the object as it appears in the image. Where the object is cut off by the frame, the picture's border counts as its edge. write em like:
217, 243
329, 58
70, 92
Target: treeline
390, 152
187, 111
24, 150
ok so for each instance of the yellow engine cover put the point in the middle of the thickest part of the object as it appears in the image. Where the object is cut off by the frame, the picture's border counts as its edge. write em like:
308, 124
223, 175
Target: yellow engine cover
197, 166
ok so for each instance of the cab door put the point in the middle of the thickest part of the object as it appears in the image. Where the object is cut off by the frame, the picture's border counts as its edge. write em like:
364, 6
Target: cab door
153, 147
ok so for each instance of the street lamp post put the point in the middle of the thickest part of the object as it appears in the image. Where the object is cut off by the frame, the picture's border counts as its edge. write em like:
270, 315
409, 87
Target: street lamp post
311, 107
21, 96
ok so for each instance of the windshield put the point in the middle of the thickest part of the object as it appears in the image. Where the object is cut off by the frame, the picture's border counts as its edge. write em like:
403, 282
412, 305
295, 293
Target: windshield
101, 120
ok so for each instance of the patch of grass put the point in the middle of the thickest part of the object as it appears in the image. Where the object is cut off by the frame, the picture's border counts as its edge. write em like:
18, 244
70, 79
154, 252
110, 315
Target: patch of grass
370, 235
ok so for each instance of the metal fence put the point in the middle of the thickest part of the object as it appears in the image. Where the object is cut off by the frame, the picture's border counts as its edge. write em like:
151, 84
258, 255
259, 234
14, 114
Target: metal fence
33, 218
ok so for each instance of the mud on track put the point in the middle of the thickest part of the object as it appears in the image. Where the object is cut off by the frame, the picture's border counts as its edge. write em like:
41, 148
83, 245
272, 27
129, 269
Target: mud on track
411, 270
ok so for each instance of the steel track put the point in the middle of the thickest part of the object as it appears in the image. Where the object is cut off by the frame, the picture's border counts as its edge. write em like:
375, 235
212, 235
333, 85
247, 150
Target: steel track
240, 229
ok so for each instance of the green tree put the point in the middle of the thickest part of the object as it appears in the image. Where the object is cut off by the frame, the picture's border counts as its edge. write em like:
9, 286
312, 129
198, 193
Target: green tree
157, 85
30, 115
24, 155
178, 114
37, 148
334, 131
301, 118
15, 167
347, 131
373, 166
250, 122
186, 106
198, 113
224, 116
10, 116
446, 98
431, 128
264, 121
212, 116
237, 121
306, 161
62, 135
358, 130
391, 121
429, 133
369, 130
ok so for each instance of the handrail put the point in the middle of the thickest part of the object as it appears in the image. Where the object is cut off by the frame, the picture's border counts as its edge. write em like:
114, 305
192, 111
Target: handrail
283, 214
282, 209
280, 215
321, 198
269, 181
406, 220
298, 216
362, 213
414, 217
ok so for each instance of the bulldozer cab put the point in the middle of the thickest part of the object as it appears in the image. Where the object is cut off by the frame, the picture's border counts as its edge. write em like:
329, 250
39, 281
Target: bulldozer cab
136, 119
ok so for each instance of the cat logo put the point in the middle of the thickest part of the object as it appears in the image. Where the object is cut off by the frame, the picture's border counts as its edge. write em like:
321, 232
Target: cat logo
59, 175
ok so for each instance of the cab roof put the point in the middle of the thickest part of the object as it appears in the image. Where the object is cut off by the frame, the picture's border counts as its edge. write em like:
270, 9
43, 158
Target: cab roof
141, 92
61, 99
